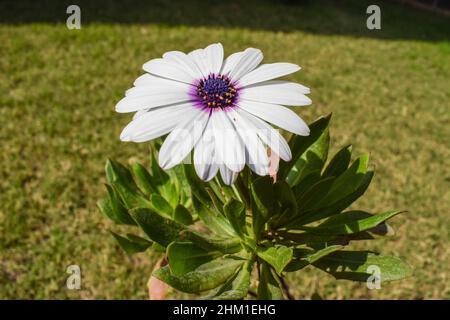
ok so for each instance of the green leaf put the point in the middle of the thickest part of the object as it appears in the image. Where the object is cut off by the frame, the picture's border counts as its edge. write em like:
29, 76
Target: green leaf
159, 229
306, 183
158, 248
215, 200
131, 198
287, 202
301, 262
218, 191
299, 144
314, 194
224, 245
161, 206
198, 187
334, 208
185, 257
319, 240
262, 190
116, 172
166, 186
182, 186
263, 195
352, 222
269, 288
227, 190
171, 191
312, 159
285, 195
235, 212
159, 177
113, 208
237, 287
143, 178
358, 266
132, 244
348, 182
121, 179
278, 256
339, 163
206, 277
306, 238
214, 221
182, 215
105, 207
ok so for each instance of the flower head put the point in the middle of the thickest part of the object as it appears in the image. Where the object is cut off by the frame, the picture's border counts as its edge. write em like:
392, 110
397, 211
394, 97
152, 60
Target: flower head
218, 107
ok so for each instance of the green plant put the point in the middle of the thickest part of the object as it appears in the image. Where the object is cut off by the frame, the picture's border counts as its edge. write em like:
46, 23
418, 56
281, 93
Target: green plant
214, 236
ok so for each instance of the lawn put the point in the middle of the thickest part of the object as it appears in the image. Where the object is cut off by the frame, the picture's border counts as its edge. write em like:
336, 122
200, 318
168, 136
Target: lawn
388, 89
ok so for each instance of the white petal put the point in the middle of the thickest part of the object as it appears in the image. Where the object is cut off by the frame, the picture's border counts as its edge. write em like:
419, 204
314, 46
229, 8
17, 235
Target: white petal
155, 123
230, 62
204, 160
184, 61
278, 92
140, 113
214, 57
256, 154
227, 175
161, 87
182, 139
230, 150
268, 72
276, 114
198, 56
269, 136
168, 69
248, 61
152, 80
133, 103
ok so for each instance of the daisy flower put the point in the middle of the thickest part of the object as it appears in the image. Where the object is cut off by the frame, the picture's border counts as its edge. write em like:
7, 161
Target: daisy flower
220, 108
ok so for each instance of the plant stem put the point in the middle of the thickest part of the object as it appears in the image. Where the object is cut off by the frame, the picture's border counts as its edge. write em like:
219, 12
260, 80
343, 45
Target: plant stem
252, 293
286, 289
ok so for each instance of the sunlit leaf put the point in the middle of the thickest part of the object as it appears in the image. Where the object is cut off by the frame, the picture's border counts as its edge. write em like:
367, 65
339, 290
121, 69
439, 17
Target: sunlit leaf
336, 207
206, 277
114, 209
269, 288
312, 159
339, 163
262, 204
352, 222
301, 262
186, 256
161, 206
121, 179
223, 244
132, 244
156, 227
235, 212
215, 221
299, 144
278, 256
182, 215
143, 178
348, 182
237, 287
360, 265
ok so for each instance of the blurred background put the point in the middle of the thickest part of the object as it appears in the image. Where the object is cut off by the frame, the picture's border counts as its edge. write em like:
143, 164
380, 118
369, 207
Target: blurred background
388, 89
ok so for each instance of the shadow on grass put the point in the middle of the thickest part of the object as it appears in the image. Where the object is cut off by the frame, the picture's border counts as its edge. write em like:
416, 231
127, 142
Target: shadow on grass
346, 17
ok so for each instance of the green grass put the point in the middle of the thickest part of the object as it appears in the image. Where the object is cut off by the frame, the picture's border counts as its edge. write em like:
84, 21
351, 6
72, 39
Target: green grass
388, 91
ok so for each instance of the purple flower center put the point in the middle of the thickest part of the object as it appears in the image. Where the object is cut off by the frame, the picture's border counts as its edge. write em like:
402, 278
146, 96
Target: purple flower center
216, 91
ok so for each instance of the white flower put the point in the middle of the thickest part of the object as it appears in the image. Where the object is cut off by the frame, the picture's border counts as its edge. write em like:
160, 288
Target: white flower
217, 107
